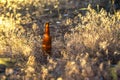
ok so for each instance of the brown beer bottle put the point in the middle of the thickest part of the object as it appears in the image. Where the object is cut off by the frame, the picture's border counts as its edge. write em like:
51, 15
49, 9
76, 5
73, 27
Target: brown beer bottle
46, 43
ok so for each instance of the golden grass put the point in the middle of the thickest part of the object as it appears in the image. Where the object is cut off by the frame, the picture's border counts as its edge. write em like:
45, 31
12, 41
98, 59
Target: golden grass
84, 54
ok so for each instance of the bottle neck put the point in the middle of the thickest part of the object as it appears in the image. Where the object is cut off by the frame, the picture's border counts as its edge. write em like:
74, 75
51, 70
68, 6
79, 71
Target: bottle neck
47, 31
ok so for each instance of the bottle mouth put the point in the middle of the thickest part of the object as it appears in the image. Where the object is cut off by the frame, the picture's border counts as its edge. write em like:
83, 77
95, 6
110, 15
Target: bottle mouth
46, 24
49, 22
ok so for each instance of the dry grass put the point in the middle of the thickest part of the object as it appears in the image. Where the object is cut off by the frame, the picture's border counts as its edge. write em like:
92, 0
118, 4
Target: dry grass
83, 47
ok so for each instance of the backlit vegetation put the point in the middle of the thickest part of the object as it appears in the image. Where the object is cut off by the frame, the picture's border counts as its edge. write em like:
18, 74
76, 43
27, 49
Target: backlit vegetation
83, 47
